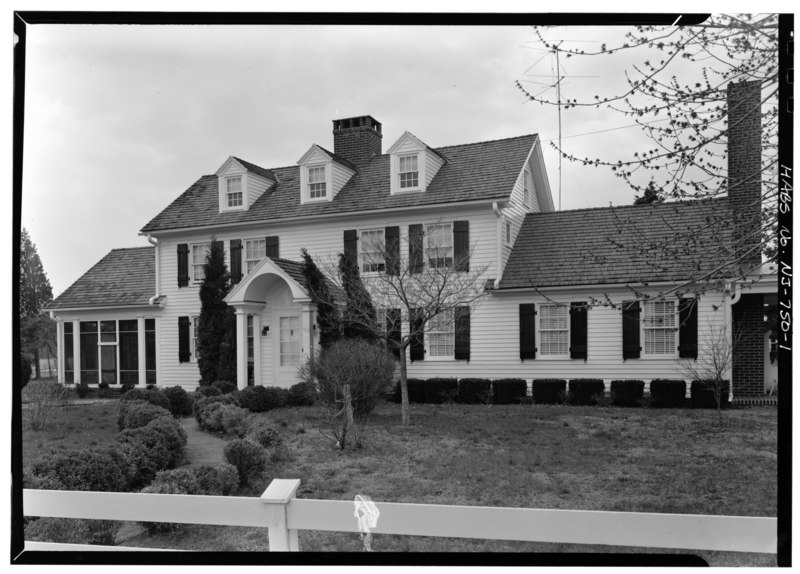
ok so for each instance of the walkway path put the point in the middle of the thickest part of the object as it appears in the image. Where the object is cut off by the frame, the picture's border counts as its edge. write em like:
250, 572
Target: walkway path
201, 447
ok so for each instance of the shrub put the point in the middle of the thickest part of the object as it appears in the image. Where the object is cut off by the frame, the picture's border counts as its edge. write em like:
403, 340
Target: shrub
104, 470
126, 387
217, 479
135, 414
260, 431
207, 391
416, 390
474, 391
82, 389
667, 393
182, 478
586, 391
276, 397
159, 445
303, 394
167, 487
702, 394
25, 370
255, 399
43, 398
180, 402
103, 386
224, 387
548, 391
249, 458
627, 393
223, 418
73, 531
200, 404
509, 391
439, 391
154, 397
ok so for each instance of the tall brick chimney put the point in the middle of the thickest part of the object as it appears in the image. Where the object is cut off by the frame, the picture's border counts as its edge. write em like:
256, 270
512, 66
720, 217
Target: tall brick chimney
744, 166
357, 139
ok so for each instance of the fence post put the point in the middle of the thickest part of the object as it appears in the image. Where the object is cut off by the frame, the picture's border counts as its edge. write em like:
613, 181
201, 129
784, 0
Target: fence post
278, 494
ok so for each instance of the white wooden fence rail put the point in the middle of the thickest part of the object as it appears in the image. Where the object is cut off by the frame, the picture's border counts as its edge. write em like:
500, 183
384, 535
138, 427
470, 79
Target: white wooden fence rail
284, 515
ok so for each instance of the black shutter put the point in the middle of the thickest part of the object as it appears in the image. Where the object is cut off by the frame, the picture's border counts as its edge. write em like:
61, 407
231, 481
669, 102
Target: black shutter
273, 247
461, 245
527, 331
415, 248
417, 346
183, 264
236, 260
351, 246
393, 330
392, 238
462, 333
631, 347
183, 340
687, 334
578, 338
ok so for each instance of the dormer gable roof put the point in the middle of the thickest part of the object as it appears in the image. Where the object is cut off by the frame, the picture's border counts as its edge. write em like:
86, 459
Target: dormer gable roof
247, 166
315, 149
410, 140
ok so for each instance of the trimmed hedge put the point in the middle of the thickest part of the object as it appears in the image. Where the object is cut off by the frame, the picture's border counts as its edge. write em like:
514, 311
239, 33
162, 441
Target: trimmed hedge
586, 391
201, 403
509, 391
224, 387
667, 393
416, 390
549, 391
135, 414
105, 470
249, 458
180, 402
474, 391
438, 391
302, 395
154, 397
260, 399
223, 418
73, 531
217, 479
207, 391
627, 393
702, 394
259, 430
159, 445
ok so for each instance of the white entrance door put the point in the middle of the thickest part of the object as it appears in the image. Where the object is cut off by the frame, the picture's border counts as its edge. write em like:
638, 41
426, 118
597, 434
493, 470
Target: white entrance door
288, 350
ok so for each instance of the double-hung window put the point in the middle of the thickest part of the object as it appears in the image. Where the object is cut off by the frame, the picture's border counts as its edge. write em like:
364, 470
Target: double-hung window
199, 253
659, 328
316, 182
373, 250
409, 172
233, 191
440, 335
439, 245
254, 251
554, 330
193, 338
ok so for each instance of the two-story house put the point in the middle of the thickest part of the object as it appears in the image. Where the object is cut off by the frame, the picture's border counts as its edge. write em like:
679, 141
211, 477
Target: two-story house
564, 297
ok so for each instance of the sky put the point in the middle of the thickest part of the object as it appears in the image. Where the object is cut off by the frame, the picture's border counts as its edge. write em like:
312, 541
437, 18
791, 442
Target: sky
120, 120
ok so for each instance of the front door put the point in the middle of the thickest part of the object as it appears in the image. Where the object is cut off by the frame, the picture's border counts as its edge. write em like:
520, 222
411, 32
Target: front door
288, 349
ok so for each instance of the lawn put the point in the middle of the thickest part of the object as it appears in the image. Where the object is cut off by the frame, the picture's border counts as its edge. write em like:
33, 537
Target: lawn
537, 456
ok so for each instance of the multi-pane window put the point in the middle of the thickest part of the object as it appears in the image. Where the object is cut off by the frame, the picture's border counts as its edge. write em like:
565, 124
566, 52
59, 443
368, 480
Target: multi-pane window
409, 172
69, 354
199, 254
233, 191
439, 245
289, 341
254, 251
110, 351
659, 328
373, 250
440, 335
527, 187
129, 352
195, 348
150, 351
316, 182
508, 233
554, 330
88, 351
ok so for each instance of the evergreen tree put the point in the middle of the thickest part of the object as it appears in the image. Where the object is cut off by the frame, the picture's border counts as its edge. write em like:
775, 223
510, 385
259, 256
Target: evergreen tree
35, 293
214, 325
329, 318
359, 321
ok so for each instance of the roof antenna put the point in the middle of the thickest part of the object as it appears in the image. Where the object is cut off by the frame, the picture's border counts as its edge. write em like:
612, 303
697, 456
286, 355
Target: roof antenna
558, 92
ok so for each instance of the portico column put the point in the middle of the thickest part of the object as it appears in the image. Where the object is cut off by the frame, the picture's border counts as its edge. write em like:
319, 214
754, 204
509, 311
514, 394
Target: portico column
60, 351
241, 348
308, 330
76, 345
142, 351
256, 348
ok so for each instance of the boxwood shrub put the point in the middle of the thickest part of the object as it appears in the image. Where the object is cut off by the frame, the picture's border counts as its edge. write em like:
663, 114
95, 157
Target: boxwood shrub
73, 531
159, 445
260, 430
207, 391
702, 394
474, 391
200, 403
439, 390
249, 458
135, 414
154, 397
101, 469
586, 391
220, 479
548, 391
509, 391
260, 399
627, 393
303, 394
667, 393
224, 387
223, 418
180, 402
416, 390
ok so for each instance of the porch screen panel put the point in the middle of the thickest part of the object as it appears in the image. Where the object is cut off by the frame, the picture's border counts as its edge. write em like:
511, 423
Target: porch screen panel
108, 360
89, 361
150, 350
69, 354
128, 352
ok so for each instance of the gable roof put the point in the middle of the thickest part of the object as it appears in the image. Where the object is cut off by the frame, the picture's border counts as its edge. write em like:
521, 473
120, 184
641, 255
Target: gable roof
255, 169
629, 244
123, 278
478, 171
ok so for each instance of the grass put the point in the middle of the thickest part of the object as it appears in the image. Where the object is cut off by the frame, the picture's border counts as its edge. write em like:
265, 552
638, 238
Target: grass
588, 458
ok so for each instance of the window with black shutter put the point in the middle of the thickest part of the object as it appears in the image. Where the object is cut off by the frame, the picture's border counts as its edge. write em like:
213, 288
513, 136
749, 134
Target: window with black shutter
687, 332
631, 346
236, 260
183, 340
415, 248
392, 242
273, 247
578, 336
527, 331
183, 265
351, 246
462, 333
417, 346
461, 245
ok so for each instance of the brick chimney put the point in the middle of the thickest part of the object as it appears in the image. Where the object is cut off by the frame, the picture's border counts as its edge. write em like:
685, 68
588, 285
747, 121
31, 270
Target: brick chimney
357, 139
744, 165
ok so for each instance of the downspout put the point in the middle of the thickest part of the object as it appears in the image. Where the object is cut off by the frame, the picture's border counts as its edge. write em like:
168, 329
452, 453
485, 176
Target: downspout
154, 243
498, 243
730, 302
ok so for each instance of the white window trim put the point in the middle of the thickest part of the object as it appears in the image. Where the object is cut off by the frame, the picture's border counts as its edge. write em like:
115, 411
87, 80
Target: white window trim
192, 264
655, 356
428, 346
527, 175
419, 159
324, 169
539, 338
394, 166
228, 194
361, 232
306, 183
425, 245
245, 271
194, 322
508, 232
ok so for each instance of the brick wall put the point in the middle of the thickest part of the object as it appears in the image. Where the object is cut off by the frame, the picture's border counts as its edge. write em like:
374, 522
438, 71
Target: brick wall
748, 354
357, 139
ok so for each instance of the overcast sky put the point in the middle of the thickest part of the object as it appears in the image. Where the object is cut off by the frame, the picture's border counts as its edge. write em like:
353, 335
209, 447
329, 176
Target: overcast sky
120, 120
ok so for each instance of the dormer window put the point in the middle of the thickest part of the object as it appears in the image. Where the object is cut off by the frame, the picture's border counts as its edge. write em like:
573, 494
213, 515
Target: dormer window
527, 187
409, 172
233, 191
316, 182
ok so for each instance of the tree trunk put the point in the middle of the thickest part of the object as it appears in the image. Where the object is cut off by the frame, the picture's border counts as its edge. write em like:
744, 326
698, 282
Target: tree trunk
349, 440
404, 411
36, 366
